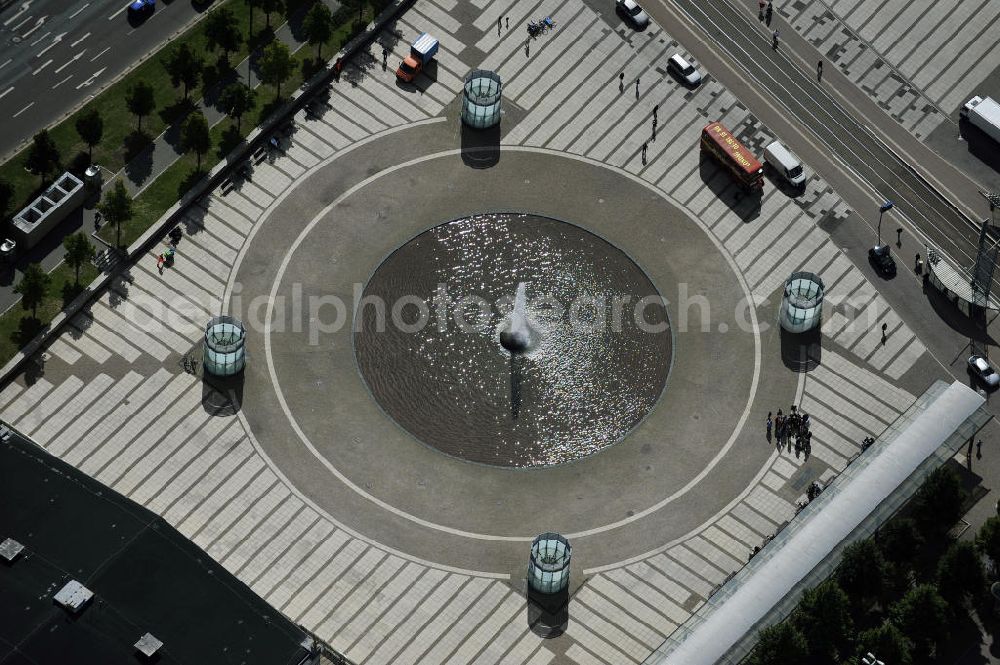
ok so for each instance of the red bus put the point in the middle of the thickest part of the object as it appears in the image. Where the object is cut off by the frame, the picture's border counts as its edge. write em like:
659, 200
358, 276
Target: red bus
717, 141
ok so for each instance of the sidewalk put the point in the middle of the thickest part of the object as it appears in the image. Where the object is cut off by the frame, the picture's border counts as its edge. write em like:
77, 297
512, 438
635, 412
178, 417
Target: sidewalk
165, 149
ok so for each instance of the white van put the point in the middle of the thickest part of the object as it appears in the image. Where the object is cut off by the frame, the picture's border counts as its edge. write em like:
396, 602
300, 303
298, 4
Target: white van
780, 158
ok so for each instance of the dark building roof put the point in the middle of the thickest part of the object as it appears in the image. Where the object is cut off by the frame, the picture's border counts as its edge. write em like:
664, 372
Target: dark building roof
145, 576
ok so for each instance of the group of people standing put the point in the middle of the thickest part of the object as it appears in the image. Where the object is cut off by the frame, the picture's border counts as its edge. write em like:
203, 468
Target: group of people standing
789, 429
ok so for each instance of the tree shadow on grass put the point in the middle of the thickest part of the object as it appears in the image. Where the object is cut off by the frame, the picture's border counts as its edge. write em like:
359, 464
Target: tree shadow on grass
311, 66
271, 107
229, 140
70, 291
27, 328
176, 112
189, 181
138, 156
79, 163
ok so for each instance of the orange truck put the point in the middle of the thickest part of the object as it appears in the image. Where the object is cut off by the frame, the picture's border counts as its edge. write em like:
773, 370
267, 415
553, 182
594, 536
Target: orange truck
745, 169
422, 51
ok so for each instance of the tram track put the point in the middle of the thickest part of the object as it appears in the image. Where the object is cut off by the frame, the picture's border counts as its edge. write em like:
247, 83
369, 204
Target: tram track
850, 141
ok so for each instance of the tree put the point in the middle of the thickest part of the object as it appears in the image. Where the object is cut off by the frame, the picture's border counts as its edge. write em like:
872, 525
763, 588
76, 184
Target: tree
117, 208
900, 540
6, 196
195, 136
90, 127
78, 252
222, 32
184, 67
141, 101
824, 617
779, 645
887, 642
43, 155
269, 6
275, 65
938, 502
236, 99
862, 571
32, 288
960, 572
988, 539
924, 617
318, 26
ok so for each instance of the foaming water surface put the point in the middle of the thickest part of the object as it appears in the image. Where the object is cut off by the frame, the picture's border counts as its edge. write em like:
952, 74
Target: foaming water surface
597, 367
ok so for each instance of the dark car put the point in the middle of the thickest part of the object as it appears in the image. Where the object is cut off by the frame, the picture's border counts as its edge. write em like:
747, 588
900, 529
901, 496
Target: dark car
142, 7
881, 258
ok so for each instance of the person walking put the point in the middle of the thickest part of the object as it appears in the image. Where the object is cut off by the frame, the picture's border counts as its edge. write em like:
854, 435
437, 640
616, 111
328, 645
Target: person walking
770, 423
768, 14
637, 88
654, 127
507, 20
885, 327
644, 146
774, 44
621, 82
760, 9
899, 237
499, 24
819, 70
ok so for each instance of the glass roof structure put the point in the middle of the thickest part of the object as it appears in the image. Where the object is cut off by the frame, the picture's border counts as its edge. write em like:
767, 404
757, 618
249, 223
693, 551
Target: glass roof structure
875, 484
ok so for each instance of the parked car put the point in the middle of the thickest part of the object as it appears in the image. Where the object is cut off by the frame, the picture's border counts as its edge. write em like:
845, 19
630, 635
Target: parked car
633, 14
142, 7
982, 371
684, 69
882, 260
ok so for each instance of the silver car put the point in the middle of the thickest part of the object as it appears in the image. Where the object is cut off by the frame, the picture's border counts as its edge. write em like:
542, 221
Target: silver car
632, 13
982, 370
684, 69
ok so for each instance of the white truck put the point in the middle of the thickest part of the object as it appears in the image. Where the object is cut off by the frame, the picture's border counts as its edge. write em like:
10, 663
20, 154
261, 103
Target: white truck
984, 113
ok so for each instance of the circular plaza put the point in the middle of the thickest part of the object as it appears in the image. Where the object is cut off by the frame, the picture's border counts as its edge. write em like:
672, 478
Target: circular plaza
354, 417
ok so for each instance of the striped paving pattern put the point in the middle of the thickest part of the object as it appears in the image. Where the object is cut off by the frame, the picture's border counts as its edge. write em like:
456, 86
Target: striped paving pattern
149, 433
918, 60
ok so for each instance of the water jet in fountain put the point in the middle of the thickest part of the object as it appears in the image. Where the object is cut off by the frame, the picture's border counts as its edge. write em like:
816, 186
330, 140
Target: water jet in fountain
518, 335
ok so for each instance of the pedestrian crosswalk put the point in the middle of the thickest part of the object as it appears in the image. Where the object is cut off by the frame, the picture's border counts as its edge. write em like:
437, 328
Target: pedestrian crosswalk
919, 60
123, 408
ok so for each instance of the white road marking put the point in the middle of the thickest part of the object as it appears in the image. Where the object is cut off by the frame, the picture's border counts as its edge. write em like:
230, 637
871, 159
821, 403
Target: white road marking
71, 60
4, 93
73, 45
44, 65
37, 41
112, 17
91, 79
100, 54
9, 60
24, 8
38, 24
73, 15
55, 42
61, 82
18, 26
23, 110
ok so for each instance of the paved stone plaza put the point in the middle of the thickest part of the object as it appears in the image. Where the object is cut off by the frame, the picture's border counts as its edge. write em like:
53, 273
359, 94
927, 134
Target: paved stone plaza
296, 482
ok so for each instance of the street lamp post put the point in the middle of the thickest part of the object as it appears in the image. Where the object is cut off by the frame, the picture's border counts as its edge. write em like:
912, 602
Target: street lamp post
881, 211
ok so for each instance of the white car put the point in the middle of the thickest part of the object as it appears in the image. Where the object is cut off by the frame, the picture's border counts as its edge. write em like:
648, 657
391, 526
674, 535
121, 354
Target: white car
684, 69
982, 370
633, 13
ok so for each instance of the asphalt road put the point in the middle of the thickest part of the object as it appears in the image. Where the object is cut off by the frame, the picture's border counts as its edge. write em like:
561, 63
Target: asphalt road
57, 54
734, 32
